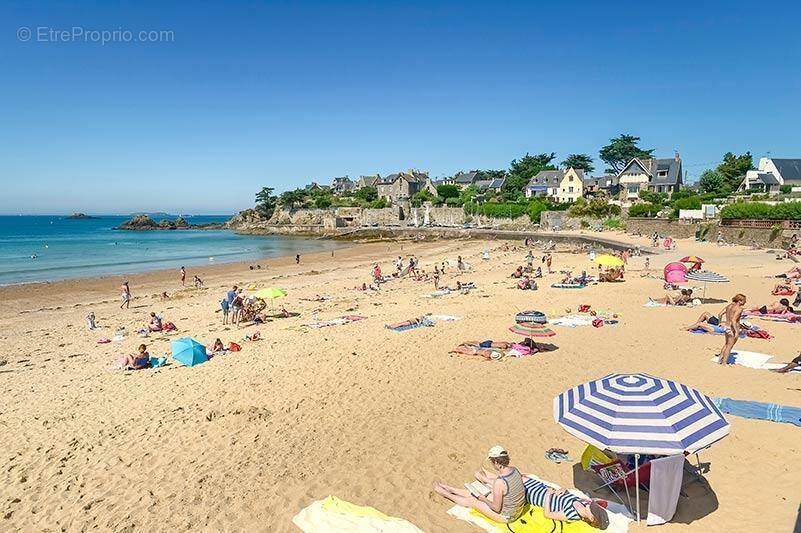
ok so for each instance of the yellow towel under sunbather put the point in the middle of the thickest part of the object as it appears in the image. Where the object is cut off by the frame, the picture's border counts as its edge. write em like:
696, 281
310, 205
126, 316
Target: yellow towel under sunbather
533, 521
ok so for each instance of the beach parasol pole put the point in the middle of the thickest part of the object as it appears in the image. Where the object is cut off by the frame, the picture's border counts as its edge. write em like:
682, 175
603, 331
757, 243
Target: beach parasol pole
637, 481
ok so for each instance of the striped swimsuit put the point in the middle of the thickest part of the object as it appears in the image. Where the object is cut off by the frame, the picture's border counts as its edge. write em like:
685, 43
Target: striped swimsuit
535, 495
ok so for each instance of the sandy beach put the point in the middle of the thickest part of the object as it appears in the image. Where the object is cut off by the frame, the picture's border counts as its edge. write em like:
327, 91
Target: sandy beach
373, 416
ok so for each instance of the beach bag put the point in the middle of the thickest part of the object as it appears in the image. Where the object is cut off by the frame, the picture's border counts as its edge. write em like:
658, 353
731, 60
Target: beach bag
234, 347
758, 334
169, 326
584, 308
597, 323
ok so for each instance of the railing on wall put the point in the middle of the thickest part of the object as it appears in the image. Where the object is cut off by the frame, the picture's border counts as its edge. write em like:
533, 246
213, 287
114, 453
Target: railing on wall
760, 223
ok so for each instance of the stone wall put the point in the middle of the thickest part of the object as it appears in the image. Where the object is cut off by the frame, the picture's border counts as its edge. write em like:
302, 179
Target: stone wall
709, 231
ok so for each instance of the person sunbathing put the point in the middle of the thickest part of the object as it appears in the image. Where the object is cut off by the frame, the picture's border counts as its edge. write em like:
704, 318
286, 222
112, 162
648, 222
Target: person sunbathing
793, 273
792, 365
613, 274
506, 501
557, 504
776, 308
518, 273
421, 320
217, 347
680, 299
783, 288
709, 323
137, 361
155, 323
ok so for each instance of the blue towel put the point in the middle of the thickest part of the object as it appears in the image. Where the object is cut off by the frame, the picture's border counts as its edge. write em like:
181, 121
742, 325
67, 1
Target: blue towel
760, 411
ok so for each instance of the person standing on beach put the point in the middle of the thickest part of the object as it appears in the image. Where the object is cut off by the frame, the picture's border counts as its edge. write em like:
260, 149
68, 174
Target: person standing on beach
732, 313
548, 260
126, 295
297, 259
183, 276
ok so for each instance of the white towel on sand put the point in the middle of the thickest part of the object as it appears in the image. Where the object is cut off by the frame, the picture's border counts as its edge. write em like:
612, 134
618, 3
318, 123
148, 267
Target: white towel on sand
319, 518
570, 321
752, 360
664, 487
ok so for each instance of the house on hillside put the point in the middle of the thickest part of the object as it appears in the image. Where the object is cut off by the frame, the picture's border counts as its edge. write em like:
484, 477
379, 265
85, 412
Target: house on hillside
652, 174
367, 181
598, 185
464, 180
402, 186
315, 187
341, 185
771, 174
561, 186
484, 186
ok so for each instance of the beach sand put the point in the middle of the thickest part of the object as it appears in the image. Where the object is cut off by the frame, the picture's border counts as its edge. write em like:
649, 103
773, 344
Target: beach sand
243, 442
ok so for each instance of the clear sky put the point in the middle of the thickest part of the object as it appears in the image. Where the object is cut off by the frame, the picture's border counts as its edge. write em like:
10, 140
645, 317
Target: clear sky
251, 94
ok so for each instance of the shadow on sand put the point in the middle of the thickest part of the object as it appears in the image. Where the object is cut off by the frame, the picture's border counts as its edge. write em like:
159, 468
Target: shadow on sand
697, 499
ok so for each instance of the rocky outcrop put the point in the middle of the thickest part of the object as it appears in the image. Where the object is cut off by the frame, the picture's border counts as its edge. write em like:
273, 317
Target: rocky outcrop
80, 216
145, 223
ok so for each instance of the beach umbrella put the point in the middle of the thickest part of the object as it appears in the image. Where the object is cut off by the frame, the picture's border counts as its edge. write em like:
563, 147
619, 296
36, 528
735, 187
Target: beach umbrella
706, 276
270, 293
532, 330
609, 260
640, 414
188, 351
691, 259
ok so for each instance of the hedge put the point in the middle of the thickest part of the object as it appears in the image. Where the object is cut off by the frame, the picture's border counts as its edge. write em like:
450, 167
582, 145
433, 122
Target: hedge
762, 211
644, 210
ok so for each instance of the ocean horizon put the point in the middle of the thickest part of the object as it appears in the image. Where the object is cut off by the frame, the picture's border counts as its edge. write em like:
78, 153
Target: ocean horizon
43, 248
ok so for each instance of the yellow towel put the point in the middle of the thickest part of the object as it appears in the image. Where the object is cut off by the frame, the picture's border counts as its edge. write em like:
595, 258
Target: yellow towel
534, 521
335, 505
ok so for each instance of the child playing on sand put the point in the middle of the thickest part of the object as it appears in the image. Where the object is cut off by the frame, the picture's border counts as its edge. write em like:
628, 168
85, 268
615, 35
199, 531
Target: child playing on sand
225, 305
90, 320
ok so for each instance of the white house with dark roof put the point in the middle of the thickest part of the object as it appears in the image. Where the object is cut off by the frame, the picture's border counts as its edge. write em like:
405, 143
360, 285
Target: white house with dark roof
771, 174
402, 186
342, 184
652, 174
561, 186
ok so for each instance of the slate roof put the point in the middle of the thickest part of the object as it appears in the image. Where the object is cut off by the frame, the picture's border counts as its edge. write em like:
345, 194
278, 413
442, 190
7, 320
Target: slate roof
790, 169
653, 167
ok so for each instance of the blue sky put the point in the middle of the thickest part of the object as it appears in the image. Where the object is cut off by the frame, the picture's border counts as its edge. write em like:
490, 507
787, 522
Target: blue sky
249, 94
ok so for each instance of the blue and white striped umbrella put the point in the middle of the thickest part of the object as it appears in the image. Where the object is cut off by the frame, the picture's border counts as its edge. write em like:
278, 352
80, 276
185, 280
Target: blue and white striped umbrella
707, 276
638, 413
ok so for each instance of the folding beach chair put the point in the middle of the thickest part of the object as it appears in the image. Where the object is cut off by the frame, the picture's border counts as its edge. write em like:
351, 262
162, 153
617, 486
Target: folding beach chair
613, 473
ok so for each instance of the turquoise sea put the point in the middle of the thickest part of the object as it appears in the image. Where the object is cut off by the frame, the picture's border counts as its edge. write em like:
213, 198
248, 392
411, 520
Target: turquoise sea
48, 248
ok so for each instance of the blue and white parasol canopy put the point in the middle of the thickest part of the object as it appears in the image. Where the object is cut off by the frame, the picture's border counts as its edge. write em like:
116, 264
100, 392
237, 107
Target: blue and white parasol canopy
707, 276
639, 413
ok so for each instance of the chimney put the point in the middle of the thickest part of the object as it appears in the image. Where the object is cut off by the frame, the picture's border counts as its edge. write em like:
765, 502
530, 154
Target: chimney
678, 158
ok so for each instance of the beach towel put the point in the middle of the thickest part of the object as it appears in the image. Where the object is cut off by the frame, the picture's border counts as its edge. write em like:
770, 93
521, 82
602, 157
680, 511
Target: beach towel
533, 520
759, 411
667, 474
442, 318
751, 360
423, 323
570, 321
784, 317
651, 303
436, 294
338, 516
568, 285
720, 330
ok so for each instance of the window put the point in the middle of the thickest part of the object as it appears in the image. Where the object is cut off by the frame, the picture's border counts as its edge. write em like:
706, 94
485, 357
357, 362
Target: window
570, 189
571, 178
662, 173
633, 189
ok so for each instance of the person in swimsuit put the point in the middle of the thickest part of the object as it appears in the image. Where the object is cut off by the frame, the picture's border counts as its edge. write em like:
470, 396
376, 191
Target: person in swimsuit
732, 314
136, 362
709, 323
558, 504
155, 323
792, 365
507, 499
183, 276
776, 308
126, 295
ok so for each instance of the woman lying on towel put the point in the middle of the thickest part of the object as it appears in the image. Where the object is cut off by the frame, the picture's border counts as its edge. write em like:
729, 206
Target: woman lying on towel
783, 288
776, 308
709, 323
793, 273
557, 504
507, 499
419, 321
488, 348
680, 299
792, 365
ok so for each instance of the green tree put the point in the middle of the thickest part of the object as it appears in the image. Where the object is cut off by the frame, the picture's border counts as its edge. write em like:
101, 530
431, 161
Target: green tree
653, 197
482, 175
579, 161
521, 171
448, 191
711, 181
367, 194
734, 168
322, 201
265, 202
621, 150
293, 198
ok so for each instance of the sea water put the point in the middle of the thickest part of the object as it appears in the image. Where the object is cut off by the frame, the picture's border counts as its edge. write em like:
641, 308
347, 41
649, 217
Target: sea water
48, 248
